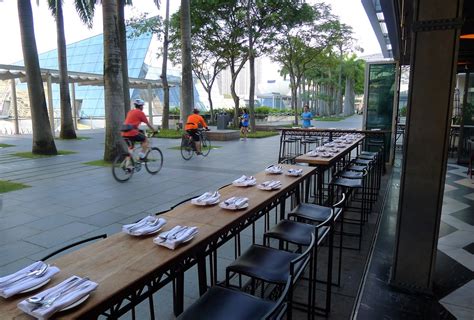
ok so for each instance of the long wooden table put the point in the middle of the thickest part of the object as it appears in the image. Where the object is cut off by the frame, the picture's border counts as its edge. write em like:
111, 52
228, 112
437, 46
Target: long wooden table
131, 268
322, 164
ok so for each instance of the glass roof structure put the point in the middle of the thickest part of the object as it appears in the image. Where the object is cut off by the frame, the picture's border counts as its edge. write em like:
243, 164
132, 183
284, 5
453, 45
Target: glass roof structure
88, 56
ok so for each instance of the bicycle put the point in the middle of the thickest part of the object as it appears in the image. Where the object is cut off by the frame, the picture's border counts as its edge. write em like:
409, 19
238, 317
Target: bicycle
125, 164
188, 146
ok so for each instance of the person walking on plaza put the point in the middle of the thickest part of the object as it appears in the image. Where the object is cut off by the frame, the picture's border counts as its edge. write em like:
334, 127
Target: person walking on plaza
307, 116
133, 120
193, 123
244, 124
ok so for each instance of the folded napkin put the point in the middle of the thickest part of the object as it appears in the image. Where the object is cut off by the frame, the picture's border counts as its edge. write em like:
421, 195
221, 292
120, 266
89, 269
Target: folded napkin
174, 237
207, 198
273, 169
313, 153
235, 203
270, 185
64, 294
9, 288
295, 172
145, 226
244, 181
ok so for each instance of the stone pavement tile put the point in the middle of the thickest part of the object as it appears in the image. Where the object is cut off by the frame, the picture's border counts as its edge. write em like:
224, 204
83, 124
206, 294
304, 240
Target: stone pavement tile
105, 218
15, 220
14, 251
50, 210
108, 230
12, 235
61, 234
15, 266
51, 221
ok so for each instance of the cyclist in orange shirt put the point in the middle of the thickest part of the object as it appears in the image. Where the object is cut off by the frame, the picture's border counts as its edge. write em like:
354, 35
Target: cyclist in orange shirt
134, 119
194, 122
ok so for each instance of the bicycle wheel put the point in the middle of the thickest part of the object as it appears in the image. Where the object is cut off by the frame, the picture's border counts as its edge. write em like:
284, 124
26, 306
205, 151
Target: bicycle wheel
186, 148
120, 170
154, 160
205, 145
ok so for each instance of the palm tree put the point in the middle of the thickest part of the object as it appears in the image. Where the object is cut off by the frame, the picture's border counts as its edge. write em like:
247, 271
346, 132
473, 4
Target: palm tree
43, 140
187, 96
164, 76
86, 11
113, 83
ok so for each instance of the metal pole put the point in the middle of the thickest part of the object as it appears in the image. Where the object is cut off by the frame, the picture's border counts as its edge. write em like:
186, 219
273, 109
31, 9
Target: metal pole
15, 106
50, 101
150, 103
73, 102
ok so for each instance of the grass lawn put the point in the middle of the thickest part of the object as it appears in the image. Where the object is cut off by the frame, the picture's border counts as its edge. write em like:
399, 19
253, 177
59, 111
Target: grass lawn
6, 145
7, 186
179, 147
31, 155
261, 134
169, 134
80, 138
331, 118
99, 163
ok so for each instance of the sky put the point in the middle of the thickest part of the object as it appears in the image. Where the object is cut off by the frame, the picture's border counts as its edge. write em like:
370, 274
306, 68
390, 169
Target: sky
350, 12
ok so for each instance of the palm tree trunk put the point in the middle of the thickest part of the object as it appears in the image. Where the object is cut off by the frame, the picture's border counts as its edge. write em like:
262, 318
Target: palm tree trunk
43, 141
123, 53
349, 98
164, 76
187, 93
252, 70
113, 82
67, 122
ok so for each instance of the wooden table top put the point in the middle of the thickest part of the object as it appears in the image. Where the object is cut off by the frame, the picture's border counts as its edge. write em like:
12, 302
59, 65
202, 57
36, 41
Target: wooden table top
121, 262
306, 158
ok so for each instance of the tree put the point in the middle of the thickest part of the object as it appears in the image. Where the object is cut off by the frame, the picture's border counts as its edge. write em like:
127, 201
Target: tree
187, 93
85, 10
113, 90
43, 140
164, 70
306, 32
354, 71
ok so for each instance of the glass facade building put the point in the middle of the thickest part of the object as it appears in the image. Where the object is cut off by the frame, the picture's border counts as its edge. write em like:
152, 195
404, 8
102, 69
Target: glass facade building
87, 56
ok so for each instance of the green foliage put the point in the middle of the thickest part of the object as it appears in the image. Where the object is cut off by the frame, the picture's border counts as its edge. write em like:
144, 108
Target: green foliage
6, 145
7, 186
31, 155
174, 111
261, 134
170, 134
403, 111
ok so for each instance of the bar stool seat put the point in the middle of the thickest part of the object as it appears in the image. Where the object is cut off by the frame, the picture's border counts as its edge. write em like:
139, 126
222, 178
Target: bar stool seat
296, 232
360, 161
369, 153
348, 183
367, 157
358, 168
223, 303
352, 174
313, 212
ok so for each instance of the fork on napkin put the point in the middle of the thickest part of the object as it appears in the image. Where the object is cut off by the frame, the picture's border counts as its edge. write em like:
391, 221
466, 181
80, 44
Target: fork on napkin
207, 198
270, 185
147, 225
295, 172
9, 286
174, 237
273, 169
244, 181
235, 203
58, 297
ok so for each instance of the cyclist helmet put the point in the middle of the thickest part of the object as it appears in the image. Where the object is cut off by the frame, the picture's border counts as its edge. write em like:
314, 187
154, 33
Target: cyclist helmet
138, 103
195, 110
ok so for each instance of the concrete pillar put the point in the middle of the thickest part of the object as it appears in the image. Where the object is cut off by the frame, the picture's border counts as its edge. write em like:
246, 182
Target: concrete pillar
73, 103
150, 103
431, 90
50, 101
15, 106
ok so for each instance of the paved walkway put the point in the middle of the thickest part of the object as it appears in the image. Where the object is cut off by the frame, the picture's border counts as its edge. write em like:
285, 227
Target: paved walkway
69, 200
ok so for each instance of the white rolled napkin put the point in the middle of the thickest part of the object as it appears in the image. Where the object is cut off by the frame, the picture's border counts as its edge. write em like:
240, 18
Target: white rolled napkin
66, 298
244, 181
174, 237
273, 169
313, 153
147, 225
295, 172
235, 203
270, 185
9, 288
207, 198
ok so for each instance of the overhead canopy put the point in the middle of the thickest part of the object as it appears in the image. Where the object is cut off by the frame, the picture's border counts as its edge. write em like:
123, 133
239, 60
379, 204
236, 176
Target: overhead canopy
82, 78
